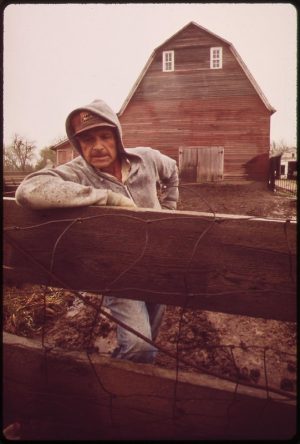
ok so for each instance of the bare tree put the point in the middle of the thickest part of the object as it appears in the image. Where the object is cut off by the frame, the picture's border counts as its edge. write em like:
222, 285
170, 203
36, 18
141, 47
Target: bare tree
18, 156
277, 148
47, 158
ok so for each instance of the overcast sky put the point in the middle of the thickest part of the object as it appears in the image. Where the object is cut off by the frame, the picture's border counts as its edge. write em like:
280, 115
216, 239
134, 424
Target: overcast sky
61, 56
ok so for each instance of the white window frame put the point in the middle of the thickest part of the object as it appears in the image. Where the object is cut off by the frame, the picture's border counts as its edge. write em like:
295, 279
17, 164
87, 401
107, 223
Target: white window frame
216, 57
168, 61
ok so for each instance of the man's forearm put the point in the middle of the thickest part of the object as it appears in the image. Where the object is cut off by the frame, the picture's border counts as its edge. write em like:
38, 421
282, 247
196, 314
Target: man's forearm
52, 192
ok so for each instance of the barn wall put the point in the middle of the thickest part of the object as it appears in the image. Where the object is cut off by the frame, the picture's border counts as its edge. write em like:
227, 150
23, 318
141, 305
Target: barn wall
195, 105
202, 123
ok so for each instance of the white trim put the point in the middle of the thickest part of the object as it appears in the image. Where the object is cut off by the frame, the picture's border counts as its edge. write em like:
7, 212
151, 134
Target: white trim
216, 57
168, 61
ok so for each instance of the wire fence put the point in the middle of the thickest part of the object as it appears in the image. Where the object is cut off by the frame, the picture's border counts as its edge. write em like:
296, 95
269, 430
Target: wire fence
187, 422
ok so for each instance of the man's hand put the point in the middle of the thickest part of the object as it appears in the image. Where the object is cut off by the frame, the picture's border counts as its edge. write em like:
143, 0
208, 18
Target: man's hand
117, 199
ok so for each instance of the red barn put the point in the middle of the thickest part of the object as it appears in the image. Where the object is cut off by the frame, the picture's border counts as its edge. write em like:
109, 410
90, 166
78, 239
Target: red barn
197, 102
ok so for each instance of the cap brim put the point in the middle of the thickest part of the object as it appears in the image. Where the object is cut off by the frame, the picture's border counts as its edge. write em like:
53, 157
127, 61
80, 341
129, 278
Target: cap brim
96, 125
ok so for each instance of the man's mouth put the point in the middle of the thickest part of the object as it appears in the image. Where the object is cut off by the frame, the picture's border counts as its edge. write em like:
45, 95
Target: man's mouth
100, 156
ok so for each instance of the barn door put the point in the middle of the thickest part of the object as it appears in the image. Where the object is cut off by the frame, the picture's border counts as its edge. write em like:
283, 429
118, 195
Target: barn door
201, 164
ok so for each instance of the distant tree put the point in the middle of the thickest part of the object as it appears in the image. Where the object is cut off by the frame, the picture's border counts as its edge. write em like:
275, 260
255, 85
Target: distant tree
19, 155
277, 148
47, 158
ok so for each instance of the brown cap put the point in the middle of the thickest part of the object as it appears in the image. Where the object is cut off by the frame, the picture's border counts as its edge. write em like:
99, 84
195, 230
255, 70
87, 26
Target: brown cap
85, 120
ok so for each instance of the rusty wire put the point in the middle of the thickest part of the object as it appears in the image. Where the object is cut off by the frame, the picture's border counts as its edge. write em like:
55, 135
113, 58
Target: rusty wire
99, 310
108, 290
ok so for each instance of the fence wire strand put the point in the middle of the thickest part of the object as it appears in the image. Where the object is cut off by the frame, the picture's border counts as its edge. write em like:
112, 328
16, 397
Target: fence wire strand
176, 411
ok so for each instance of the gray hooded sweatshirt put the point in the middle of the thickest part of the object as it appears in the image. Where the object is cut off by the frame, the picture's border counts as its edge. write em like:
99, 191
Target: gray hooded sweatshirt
76, 183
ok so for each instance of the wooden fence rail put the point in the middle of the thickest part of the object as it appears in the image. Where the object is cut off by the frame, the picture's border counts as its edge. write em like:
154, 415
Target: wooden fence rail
73, 397
11, 181
224, 263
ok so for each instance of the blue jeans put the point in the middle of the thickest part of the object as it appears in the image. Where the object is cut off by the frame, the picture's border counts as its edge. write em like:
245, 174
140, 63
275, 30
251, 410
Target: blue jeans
143, 317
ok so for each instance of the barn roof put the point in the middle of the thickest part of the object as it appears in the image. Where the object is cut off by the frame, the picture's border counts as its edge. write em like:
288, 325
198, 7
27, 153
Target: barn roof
231, 47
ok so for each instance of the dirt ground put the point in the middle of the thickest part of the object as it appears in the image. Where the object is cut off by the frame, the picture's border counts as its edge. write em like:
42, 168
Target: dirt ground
240, 197
257, 351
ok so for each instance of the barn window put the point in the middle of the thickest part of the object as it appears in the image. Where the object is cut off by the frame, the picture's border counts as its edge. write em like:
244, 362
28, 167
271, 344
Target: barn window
216, 58
168, 61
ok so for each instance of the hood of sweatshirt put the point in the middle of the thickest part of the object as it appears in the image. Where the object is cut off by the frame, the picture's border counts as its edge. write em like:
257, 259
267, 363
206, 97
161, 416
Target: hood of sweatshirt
100, 108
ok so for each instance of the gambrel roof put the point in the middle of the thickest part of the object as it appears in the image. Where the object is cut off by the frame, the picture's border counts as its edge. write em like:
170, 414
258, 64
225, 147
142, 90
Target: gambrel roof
230, 46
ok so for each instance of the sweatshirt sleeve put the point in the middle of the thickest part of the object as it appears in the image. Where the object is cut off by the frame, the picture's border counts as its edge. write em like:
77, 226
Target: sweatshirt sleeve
49, 189
168, 175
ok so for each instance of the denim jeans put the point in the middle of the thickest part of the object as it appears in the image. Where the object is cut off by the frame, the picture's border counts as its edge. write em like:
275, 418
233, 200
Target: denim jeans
143, 317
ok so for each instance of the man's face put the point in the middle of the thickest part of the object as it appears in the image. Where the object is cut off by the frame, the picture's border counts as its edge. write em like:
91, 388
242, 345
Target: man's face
99, 147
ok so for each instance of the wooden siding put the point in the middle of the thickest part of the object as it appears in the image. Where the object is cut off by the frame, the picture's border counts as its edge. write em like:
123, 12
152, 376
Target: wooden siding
64, 152
63, 156
244, 133
193, 35
199, 106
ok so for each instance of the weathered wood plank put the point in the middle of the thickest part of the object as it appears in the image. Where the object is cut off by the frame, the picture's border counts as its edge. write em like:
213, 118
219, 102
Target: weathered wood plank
71, 396
221, 263
201, 164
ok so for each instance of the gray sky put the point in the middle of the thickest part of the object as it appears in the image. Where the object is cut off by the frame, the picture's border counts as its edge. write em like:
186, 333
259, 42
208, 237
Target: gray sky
61, 56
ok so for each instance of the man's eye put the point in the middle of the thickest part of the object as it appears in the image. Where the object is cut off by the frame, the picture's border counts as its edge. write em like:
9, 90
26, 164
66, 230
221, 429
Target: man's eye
85, 139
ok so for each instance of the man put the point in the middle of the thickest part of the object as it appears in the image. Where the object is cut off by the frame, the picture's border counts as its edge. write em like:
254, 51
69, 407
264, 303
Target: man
106, 173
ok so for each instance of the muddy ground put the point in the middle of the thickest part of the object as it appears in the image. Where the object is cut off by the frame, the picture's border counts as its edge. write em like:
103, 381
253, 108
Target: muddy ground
257, 351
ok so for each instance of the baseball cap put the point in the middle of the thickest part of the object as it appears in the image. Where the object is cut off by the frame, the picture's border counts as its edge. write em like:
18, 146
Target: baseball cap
85, 120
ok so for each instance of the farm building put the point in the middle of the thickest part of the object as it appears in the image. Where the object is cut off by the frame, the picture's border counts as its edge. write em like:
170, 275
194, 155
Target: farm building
283, 169
64, 152
288, 164
197, 102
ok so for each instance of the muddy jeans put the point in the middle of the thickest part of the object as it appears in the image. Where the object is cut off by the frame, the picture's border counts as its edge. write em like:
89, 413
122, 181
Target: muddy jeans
143, 317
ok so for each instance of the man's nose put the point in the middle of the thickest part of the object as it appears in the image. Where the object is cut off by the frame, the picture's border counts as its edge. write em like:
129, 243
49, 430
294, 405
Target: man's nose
98, 144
